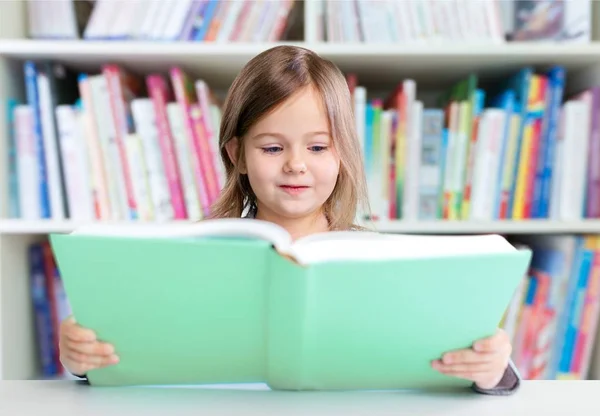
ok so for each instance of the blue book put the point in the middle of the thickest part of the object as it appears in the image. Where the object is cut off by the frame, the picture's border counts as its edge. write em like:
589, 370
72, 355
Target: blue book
31, 73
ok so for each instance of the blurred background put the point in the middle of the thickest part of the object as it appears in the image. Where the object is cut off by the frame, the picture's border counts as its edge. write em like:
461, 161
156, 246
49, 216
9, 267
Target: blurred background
474, 116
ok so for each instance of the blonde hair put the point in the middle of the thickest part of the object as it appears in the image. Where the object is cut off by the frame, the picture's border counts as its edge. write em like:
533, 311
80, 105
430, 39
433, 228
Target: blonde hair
265, 82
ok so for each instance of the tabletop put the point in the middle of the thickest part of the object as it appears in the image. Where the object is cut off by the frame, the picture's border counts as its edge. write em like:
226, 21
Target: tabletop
74, 398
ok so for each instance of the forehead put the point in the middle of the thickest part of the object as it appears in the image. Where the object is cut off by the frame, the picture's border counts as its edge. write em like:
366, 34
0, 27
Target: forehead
304, 110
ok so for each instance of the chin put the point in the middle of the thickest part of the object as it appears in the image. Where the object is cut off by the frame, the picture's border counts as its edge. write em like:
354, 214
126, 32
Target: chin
296, 212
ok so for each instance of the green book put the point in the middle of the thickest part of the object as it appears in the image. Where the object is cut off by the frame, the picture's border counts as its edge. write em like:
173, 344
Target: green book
236, 301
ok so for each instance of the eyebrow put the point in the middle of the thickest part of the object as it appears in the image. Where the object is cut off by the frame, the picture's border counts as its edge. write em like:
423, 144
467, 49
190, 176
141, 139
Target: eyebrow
282, 136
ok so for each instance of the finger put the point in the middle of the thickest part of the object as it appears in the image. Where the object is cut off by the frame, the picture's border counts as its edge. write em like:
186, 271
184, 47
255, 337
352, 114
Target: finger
493, 343
464, 367
474, 376
93, 361
90, 348
70, 329
467, 356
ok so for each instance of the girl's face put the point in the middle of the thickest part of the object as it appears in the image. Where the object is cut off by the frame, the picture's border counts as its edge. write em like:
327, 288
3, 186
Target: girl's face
290, 160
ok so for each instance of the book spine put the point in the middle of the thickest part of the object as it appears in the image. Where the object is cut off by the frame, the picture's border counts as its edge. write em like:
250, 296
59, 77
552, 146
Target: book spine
184, 94
479, 101
79, 196
574, 307
539, 111
141, 188
42, 311
158, 92
119, 116
186, 158
430, 169
591, 315
557, 85
588, 317
27, 163
210, 190
508, 165
33, 100
592, 209
211, 127
51, 153
110, 153
145, 125
14, 208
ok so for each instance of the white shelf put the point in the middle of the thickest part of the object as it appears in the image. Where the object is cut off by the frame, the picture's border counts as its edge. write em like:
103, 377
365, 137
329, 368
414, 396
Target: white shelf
379, 63
24, 227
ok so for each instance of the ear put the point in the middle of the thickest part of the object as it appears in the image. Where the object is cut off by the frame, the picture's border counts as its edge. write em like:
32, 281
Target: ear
233, 150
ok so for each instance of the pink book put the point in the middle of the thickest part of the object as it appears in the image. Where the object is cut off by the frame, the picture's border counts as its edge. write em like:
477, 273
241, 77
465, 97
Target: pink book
122, 88
160, 94
186, 97
206, 159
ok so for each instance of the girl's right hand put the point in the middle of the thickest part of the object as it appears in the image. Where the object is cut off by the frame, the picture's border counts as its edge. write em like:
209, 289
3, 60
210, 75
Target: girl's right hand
80, 351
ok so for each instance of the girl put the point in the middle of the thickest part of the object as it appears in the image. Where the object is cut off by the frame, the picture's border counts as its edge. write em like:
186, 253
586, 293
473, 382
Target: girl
292, 157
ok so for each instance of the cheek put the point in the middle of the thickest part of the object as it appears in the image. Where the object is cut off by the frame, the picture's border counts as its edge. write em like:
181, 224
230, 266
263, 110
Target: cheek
260, 169
327, 171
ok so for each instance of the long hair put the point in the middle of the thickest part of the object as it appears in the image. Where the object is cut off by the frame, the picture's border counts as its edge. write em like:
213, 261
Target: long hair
265, 82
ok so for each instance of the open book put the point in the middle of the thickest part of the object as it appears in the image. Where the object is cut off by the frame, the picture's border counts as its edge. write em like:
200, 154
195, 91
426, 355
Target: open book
320, 247
220, 302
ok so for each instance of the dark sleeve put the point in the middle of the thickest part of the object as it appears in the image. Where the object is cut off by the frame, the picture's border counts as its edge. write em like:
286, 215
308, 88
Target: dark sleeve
509, 383
82, 378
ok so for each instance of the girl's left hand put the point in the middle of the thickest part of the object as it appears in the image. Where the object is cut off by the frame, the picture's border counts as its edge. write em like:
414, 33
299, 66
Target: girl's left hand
484, 363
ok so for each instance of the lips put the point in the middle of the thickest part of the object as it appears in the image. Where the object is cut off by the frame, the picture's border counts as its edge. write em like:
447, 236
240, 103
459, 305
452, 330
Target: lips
293, 189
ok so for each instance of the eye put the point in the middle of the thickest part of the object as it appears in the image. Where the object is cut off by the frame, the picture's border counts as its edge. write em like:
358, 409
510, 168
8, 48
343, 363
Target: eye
271, 149
318, 148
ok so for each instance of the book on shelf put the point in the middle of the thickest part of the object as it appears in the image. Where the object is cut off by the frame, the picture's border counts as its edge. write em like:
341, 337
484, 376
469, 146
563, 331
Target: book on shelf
145, 146
461, 21
514, 148
334, 310
113, 145
164, 20
552, 319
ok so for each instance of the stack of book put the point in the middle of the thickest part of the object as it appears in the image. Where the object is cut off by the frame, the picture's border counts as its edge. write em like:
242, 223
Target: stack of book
454, 21
519, 149
113, 146
162, 20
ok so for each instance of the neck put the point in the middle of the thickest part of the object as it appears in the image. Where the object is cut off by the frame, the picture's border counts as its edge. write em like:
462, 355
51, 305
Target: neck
297, 227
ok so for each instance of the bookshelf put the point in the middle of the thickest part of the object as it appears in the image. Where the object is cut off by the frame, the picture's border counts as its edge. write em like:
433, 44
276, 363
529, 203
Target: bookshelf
379, 66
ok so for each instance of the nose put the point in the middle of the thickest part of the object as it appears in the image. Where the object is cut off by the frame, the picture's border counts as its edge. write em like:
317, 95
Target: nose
294, 164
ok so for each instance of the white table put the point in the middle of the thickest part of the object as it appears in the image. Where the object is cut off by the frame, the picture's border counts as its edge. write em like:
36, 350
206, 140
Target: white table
581, 398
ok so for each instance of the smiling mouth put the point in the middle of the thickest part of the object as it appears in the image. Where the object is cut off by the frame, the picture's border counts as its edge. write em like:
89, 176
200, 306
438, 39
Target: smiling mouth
293, 189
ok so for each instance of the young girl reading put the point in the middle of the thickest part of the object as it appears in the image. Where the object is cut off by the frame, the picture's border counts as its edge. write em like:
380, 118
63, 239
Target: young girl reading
292, 157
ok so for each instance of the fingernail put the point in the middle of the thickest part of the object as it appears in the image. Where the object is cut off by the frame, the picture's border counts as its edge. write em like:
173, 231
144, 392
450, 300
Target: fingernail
447, 359
114, 359
477, 346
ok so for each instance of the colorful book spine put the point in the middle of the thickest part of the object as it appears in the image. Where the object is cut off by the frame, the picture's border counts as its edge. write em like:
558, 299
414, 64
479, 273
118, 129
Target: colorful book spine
160, 95
207, 162
120, 114
573, 306
99, 167
588, 318
479, 103
184, 94
546, 154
